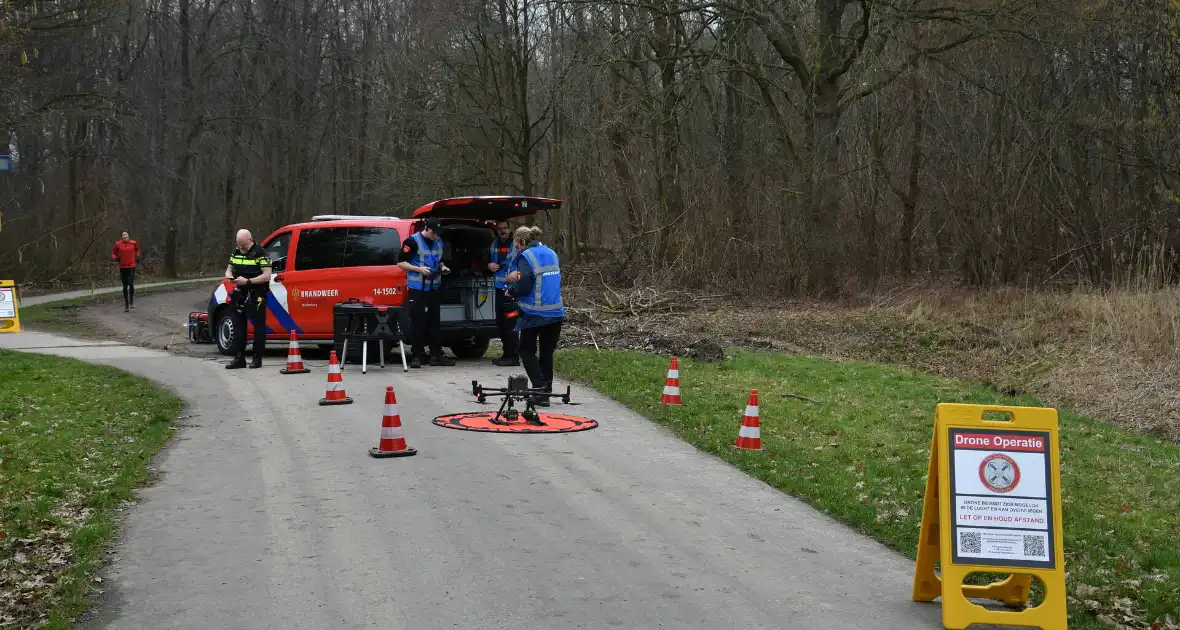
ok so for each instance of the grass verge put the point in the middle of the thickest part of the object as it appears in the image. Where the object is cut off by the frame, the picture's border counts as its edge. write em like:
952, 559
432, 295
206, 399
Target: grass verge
1112, 355
860, 455
75, 440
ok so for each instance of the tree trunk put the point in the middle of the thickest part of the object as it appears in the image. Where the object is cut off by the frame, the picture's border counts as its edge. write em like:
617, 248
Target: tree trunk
824, 272
910, 199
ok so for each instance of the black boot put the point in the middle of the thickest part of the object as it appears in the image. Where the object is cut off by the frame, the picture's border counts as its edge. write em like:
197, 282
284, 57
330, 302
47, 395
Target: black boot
238, 363
441, 359
415, 362
506, 361
256, 363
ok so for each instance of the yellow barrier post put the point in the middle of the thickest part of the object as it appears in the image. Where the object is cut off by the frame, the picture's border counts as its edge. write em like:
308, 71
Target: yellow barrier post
993, 504
9, 311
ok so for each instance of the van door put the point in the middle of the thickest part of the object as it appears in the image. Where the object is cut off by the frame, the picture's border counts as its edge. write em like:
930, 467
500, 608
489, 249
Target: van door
371, 260
314, 283
278, 320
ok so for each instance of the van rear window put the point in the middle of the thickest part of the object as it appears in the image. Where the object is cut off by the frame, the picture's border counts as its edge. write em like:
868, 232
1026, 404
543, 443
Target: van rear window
372, 247
320, 248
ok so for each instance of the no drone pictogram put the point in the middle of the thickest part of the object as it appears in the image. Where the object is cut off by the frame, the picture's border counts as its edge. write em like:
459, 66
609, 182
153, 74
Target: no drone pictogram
999, 473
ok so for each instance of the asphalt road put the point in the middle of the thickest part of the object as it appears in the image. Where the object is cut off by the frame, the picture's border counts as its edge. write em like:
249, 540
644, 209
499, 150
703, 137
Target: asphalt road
268, 513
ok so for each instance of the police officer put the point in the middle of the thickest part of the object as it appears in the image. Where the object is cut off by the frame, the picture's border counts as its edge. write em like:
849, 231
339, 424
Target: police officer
421, 258
536, 285
249, 269
503, 254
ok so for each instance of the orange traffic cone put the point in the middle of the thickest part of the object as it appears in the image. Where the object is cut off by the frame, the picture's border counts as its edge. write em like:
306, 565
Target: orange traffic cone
672, 385
335, 394
294, 358
393, 441
750, 435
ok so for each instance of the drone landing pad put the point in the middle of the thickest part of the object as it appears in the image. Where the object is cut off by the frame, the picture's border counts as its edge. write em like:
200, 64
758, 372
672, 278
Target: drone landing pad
482, 421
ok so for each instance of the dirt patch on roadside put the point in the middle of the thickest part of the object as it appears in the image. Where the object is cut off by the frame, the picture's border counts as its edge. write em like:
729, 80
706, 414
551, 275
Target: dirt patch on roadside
159, 319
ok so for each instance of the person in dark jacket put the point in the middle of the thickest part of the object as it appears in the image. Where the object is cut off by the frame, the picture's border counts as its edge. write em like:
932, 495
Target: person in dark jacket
500, 262
126, 253
536, 286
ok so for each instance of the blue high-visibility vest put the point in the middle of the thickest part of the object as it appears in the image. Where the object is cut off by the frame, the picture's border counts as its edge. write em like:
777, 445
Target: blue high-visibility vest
504, 256
429, 255
545, 298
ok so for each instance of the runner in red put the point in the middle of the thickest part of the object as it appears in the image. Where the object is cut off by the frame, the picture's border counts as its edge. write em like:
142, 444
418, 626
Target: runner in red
126, 253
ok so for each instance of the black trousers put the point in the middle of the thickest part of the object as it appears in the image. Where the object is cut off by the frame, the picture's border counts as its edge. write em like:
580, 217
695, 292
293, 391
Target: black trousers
425, 321
540, 370
508, 335
255, 311
128, 278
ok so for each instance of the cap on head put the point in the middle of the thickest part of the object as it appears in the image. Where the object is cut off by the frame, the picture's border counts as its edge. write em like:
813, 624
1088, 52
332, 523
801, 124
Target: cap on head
431, 224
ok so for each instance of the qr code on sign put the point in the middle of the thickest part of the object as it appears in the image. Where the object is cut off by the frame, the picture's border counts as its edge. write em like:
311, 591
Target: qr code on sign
1034, 546
969, 542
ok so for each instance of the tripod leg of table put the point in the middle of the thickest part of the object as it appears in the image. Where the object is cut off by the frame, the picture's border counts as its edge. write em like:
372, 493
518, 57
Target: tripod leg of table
381, 349
402, 346
364, 357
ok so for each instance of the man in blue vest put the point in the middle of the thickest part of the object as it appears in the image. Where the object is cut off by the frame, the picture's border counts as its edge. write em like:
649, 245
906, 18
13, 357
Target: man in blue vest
421, 258
503, 254
536, 285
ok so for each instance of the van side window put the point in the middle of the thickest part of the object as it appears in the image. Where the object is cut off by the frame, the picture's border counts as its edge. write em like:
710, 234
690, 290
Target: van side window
276, 250
320, 248
372, 247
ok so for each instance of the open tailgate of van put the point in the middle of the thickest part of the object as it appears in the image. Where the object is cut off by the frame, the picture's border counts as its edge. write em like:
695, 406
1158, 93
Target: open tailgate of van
490, 208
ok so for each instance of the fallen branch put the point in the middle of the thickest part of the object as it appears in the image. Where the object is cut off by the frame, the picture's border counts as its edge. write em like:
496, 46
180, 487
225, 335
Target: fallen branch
649, 299
798, 397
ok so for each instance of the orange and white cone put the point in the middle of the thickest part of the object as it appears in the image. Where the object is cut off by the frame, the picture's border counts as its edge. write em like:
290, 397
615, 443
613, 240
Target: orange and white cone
393, 441
335, 394
672, 385
750, 435
294, 358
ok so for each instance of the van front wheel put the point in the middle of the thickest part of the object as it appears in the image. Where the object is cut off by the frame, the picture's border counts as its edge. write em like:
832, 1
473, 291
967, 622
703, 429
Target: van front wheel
471, 348
231, 331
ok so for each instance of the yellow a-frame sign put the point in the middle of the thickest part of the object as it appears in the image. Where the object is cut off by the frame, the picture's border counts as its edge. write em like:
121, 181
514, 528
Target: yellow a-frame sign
9, 312
993, 504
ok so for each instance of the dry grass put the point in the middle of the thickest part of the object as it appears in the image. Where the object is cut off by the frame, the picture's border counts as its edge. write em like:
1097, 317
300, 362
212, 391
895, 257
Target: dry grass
1113, 355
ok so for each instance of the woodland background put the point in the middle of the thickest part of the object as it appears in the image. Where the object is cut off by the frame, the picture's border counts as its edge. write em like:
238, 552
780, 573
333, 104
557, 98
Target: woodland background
797, 147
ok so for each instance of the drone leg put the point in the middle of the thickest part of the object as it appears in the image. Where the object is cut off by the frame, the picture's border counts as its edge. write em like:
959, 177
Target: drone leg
530, 414
497, 420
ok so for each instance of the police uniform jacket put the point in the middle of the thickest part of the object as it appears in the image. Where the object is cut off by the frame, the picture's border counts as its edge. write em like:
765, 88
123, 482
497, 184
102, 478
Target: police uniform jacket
250, 265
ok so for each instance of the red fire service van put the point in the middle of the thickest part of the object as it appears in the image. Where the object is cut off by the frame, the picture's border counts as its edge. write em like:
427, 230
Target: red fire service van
334, 257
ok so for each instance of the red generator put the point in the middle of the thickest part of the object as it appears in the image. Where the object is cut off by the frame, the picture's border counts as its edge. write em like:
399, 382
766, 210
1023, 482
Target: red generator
198, 328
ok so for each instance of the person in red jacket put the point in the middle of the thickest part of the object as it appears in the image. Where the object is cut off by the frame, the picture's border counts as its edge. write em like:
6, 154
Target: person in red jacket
126, 253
